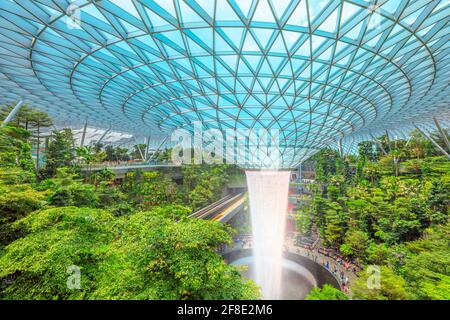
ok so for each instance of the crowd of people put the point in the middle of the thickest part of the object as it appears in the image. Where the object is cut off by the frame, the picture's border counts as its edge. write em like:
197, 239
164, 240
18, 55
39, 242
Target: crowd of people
342, 269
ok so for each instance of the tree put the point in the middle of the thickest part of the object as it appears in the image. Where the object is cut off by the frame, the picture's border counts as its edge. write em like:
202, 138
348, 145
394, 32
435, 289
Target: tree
156, 258
122, 154
439, 200
150, 189
204, 184
377, 254
103, 175
58, 241
367, 151
327, 292
303, 220
418, 144
355, 244
392, 286
16, 204
333, 229
61, 151
426, 268
162, 156
159, 254
38, 120
20, 118
75, 194
116, 154
89, 155
14, 148
138, 151
327, 163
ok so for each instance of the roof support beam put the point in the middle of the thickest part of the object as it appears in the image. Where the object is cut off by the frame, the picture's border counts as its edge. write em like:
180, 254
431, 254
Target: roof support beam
350, 147
159, 147
104, 135
13, 113
427, 136
388, 139
139, 148
147, 148
442, 132
380, 145
83, 137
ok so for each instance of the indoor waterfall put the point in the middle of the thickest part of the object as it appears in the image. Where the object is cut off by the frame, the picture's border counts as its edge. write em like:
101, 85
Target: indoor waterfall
268, 198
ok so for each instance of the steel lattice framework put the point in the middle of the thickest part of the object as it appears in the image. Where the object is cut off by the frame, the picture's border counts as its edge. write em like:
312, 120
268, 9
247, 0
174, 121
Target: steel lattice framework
321, 71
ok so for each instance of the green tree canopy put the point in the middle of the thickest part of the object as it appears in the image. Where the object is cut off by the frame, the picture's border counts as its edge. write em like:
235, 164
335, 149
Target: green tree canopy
327, 292
391, 286
61, 151
143, 256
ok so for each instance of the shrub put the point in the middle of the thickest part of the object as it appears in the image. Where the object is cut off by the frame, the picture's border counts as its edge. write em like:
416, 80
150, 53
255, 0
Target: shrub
76, 194
47, 184
14, 176
110, 195
16, 205
327, 292
57, 241
121, 209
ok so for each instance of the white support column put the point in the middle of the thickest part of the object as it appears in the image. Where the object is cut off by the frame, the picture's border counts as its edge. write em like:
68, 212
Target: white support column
350, 146
432, 141
13, 113
139, 148
341, 149
442, 132
380, 144
165, 139
147, 148
83, 137
104, 135
388, 139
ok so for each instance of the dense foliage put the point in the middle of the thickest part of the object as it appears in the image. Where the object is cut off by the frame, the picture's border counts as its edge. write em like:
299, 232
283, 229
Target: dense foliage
381, 207
141, 256
386, 207
203, 184
128, 240
327, 292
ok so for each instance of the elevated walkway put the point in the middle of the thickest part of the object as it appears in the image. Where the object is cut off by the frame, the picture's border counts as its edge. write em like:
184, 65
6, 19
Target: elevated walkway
121, 169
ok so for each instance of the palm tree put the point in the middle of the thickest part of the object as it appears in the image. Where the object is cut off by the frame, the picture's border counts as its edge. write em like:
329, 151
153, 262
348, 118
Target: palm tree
86, 155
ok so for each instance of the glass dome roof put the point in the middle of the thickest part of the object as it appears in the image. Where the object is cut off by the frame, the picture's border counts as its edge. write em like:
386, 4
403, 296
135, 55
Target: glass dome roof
320, 71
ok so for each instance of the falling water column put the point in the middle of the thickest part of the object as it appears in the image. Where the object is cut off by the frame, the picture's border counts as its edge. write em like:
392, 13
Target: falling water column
268, 196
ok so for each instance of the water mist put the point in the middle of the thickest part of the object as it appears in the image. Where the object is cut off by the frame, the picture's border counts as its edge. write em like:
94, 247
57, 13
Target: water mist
268, 195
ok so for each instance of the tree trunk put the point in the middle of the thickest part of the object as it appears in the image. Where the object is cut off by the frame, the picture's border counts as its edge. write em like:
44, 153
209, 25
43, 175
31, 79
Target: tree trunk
37, 147
396, 166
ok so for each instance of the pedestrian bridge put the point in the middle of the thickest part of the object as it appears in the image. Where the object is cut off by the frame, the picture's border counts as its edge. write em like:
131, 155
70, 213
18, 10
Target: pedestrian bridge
121, 169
